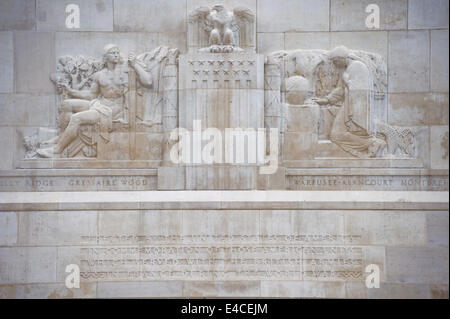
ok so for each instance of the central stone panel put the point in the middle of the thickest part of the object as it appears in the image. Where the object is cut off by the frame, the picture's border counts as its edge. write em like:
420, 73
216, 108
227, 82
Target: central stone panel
222, 90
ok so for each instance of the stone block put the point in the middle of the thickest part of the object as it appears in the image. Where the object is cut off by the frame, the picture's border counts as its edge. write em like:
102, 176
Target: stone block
92, 43
370, 41
220, 177
47, 291
422, 136
151, 289
386, 228
439, 61
6, 62
437, 228
410, 109
118, 223
27, 265
276, 180
270, 42
160, 225
27, 110
229, 4
278, 225
56, 228
350, 15
17, 15
307, 40
164, 223
171, 178
221, 289
6, 143
430, 14
117, 148
240, 226
293, 15
150, 16
409, 61
95, 15
299, 145
173, 40
8, 228
390, 290
356, 290
439, 146
417, 264
302, 289
439, 291
303, 119
148, 146
34, 61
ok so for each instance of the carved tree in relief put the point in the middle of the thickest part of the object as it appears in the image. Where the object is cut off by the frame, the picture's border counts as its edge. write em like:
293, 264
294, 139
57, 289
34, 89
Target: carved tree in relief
98, 97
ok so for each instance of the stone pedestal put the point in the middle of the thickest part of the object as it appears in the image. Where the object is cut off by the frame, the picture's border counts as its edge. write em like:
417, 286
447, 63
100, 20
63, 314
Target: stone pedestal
221, 91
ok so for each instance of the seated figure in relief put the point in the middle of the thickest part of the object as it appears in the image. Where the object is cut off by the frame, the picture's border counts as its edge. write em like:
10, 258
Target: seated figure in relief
351, 99
102, 104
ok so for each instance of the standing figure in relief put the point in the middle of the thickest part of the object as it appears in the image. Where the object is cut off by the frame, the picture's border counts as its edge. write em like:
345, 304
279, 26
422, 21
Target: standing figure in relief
350, 127
102, 104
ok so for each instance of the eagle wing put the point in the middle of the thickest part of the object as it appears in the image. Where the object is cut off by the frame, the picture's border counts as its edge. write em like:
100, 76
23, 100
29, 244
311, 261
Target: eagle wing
202, 15
241, 16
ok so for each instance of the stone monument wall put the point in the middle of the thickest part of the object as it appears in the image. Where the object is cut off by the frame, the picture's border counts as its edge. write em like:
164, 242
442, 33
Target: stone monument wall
112, 203
412, 39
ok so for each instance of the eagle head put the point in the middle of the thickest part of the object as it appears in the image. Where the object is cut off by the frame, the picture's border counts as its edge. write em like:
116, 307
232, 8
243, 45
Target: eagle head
218, 7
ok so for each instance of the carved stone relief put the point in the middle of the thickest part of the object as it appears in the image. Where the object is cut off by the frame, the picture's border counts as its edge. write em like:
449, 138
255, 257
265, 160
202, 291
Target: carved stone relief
325, 104
109, 101
346, 87
219, 30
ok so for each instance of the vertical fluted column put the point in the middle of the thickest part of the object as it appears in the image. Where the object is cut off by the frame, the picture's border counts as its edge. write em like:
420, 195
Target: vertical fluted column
273, 113
170, 107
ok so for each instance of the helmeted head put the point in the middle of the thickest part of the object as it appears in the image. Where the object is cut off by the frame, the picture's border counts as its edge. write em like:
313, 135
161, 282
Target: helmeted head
339, 56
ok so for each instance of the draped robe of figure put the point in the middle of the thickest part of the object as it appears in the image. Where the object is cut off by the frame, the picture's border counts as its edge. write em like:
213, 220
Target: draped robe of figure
350, 129
150, 110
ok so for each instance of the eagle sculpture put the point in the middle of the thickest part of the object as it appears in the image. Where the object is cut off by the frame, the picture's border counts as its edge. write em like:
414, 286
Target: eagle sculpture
222, 25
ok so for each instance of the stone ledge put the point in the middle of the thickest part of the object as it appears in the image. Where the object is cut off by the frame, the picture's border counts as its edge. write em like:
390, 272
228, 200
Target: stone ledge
366, 171
59, 180
189, 200
355, 163
367, 179
79, 172
85, 163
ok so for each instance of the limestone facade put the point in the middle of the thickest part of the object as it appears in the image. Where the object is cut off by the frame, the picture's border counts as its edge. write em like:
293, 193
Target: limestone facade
360, 126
